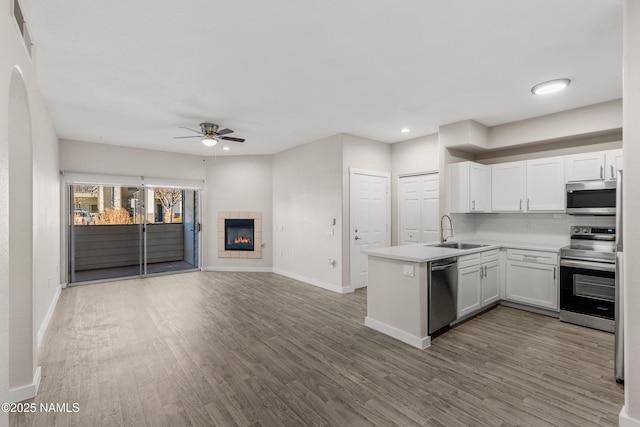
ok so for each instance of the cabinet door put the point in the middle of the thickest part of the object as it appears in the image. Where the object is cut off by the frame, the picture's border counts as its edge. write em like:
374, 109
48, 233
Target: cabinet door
479, 188
468, 290
490, 283
459, 187
532, 283
545, 185
584, 167
507, 187
613, 163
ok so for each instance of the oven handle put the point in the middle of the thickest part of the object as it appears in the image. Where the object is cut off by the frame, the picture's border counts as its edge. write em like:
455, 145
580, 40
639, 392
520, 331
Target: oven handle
599, 266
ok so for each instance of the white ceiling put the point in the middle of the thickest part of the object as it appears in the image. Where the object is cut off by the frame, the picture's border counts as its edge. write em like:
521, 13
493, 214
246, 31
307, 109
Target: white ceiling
286, 72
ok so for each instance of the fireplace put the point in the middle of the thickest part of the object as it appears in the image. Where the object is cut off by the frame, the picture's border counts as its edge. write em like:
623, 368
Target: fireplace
238, 234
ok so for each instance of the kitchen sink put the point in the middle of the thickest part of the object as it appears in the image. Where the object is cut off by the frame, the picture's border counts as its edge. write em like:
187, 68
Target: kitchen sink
459, 245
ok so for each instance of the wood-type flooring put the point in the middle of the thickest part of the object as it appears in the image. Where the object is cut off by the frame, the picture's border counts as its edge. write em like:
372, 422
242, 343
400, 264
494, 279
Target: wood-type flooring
260, 349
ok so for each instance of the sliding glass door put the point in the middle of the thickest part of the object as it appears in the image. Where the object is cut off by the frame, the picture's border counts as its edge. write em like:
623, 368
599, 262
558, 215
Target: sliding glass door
118, 231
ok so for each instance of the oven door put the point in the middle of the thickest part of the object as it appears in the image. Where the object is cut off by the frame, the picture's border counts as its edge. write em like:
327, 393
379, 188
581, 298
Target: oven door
588, 288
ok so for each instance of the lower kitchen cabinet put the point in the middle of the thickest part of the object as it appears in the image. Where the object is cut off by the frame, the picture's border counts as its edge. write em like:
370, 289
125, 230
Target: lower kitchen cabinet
532, 278
469, 290
491, 283
478, 281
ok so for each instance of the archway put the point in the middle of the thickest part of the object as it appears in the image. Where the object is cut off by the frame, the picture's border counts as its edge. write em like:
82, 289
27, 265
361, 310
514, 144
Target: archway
22, 355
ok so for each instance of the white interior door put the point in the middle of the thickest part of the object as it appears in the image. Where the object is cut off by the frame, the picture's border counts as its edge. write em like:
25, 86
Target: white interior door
369, 225
430, 208
418, 208
410, 209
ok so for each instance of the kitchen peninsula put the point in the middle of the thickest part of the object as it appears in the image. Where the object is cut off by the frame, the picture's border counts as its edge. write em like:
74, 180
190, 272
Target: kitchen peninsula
399, 281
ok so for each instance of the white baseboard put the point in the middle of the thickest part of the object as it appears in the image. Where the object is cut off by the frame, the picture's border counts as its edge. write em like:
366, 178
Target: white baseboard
396, 333
26, 391
47, 317
240, 269
624, 420
314, 282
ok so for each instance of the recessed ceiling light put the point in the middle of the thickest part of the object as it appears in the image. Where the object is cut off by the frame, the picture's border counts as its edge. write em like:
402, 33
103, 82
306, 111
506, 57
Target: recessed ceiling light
552, 86
405, 130
226, 148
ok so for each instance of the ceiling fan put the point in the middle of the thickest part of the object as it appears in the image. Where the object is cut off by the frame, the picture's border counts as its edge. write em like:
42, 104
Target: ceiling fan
210, 135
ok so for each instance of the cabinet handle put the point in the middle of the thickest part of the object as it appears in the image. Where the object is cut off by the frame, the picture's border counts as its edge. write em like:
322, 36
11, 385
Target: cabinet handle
527, 204
485, 271
612, 175
601, 172
554, 273
473, 205
520, 204
481, 276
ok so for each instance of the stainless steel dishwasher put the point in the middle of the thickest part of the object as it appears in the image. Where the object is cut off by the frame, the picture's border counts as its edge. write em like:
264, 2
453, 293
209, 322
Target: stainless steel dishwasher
443, 293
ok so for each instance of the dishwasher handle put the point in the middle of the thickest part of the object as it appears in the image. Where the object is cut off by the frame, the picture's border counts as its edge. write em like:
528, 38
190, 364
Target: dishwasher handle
438, 267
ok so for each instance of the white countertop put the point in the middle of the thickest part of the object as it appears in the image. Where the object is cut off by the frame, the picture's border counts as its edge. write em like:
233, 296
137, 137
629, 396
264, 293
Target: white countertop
425, 252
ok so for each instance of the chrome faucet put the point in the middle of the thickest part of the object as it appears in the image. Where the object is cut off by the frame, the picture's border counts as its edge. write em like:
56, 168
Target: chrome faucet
442, 238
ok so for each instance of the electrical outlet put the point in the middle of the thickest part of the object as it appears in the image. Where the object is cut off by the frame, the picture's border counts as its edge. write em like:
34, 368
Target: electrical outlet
408, 270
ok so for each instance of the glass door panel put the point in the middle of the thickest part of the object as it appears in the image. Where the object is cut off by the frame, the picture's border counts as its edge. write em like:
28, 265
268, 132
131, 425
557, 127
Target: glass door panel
105, 232
171, 231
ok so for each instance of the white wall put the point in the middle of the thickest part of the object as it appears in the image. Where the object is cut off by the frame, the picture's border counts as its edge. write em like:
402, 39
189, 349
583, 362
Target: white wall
233, 184
78, 156
358, 153
631, 141
410, 157
583, 121
307, 193
46, 218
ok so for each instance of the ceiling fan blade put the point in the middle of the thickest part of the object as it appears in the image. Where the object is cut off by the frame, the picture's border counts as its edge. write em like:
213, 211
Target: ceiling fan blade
228, 138
192, 130
224, 132
181, 137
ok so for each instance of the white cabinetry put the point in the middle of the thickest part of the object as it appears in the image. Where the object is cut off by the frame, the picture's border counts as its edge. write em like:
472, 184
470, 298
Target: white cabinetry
584, 167
478, 281
596, 166
613, 163
508, 187
545, 185
532, 278
469, 187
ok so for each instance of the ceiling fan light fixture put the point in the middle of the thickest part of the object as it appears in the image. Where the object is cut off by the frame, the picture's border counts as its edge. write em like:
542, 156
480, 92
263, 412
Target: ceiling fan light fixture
209, 140
551, 86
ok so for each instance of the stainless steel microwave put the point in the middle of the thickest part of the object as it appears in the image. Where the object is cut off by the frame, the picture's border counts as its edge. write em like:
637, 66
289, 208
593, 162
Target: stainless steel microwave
591, 198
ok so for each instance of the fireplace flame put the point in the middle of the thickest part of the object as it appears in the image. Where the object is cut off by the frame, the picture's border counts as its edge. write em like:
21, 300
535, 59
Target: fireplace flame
241, 239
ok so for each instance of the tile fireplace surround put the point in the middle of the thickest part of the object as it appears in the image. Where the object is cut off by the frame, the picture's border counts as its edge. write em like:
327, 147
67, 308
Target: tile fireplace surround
257, 235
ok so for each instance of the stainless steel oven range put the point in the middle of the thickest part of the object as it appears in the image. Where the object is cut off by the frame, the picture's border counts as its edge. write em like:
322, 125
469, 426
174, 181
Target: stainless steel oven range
587, 278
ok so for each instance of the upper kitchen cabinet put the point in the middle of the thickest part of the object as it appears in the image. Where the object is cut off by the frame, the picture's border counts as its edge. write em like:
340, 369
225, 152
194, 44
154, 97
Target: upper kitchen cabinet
545, 187
584, 167
508, 187
596, 166
613, 163
469, 187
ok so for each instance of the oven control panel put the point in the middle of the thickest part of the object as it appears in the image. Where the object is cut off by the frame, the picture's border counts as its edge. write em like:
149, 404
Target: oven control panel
584, 230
